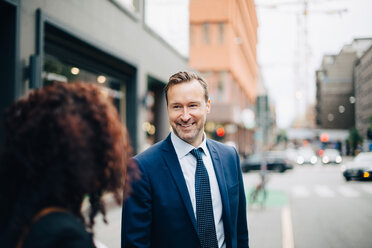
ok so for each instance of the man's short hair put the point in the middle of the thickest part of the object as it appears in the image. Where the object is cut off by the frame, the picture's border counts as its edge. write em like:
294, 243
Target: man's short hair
182, 77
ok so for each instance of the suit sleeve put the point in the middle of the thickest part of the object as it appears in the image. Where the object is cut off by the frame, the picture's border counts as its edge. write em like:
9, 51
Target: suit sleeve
137, 214
242, 228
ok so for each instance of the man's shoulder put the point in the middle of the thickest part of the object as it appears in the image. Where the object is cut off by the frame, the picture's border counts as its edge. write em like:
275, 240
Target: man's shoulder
220, 146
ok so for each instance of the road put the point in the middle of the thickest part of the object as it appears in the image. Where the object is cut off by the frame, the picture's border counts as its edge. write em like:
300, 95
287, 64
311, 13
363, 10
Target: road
323, 209
310, 206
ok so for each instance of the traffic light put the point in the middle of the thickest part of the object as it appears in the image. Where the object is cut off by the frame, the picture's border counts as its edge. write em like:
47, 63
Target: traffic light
220, 132
324, 137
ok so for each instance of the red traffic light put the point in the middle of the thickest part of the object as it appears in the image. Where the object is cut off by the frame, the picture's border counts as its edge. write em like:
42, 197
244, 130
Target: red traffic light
321, 152
220, 131
324, 137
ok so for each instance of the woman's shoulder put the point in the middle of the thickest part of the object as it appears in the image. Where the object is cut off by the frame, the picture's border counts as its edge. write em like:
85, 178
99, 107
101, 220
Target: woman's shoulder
58, 229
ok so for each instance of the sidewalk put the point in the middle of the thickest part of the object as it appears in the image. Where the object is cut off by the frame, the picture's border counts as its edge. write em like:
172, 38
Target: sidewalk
106, 235
108, 199
264, 226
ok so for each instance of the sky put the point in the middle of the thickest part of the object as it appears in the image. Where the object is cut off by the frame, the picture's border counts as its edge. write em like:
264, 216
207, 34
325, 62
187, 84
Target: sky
170, 19
281, 55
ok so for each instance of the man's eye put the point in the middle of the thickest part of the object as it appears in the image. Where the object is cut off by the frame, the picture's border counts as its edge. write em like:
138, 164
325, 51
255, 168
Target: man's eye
176, 107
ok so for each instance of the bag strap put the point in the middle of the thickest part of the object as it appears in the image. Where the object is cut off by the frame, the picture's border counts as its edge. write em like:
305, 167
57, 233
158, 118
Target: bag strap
39, 215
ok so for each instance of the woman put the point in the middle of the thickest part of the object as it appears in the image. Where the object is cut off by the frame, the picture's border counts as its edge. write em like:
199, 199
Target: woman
63, 143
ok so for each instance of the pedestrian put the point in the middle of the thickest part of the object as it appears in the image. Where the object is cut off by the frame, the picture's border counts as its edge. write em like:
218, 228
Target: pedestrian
191, 191
63, 143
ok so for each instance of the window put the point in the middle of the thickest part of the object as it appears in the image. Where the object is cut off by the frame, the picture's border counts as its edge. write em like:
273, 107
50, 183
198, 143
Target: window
221, 30
55, 69
222, 78
206, 32
67, 58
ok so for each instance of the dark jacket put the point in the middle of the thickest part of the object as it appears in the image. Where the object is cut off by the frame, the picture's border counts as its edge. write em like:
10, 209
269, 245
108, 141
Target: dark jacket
58, 229
159, 212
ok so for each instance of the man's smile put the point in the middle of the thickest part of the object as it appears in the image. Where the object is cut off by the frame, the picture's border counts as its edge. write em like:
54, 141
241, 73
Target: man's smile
186, 125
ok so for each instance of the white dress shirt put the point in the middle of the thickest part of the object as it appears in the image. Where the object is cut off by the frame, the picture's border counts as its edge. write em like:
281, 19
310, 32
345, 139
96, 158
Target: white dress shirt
188, 166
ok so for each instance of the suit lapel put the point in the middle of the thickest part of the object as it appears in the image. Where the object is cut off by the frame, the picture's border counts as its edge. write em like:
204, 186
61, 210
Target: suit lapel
176, 172
219, 170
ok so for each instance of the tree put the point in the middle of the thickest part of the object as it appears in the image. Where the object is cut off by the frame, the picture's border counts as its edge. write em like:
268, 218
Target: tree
281, 137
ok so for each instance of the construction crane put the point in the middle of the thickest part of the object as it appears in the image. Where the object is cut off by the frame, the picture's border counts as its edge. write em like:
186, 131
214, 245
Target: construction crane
303, 51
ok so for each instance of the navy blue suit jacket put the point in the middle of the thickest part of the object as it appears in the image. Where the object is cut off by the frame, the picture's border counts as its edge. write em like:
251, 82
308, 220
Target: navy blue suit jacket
159, 212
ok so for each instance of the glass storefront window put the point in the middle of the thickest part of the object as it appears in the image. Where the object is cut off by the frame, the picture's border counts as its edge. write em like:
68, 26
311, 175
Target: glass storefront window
149, 126
56, 70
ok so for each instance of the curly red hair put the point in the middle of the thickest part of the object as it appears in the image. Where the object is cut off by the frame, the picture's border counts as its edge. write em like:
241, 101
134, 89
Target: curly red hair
62, 143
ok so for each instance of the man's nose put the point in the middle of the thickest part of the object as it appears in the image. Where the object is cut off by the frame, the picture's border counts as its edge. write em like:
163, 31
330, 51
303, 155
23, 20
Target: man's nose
185, 115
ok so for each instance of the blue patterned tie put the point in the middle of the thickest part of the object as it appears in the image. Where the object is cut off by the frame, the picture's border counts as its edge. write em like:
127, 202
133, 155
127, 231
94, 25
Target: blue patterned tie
204, 207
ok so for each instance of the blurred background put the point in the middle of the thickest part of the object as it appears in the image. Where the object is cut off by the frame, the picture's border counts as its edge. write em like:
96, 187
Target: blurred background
290, 83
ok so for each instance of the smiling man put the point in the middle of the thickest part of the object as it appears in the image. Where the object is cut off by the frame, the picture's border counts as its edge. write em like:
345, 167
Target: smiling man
188, 106
191, 191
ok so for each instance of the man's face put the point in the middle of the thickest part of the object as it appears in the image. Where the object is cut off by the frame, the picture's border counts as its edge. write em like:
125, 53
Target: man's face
187, 111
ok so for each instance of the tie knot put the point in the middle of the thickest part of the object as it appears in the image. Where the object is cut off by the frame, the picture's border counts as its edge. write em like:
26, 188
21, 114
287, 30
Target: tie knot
197, 152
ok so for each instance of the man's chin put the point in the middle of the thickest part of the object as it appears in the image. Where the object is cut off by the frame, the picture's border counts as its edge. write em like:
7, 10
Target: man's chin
187, 137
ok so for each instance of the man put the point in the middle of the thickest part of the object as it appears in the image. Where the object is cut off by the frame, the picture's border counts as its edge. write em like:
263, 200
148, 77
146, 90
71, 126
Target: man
191, 191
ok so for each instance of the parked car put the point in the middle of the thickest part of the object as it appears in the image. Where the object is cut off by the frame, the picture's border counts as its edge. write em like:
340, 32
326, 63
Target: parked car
306, 155
331, 156
359, 168
275, 160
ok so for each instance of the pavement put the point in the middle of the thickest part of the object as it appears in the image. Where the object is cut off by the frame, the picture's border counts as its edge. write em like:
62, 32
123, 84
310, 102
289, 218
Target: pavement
264, 226
269, 225
106, 235
265, 223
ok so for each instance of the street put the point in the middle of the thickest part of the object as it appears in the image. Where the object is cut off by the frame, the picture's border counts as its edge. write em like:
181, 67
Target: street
325, 210
309, 206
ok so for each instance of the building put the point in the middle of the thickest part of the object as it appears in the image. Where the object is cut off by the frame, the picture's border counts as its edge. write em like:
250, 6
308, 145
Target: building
335, 88
363, 93
223, 40
106, 42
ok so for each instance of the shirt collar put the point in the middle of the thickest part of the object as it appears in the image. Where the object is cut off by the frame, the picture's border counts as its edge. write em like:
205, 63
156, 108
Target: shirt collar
183, 148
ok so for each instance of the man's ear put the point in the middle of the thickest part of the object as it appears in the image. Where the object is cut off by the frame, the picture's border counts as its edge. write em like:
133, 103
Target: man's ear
208, 106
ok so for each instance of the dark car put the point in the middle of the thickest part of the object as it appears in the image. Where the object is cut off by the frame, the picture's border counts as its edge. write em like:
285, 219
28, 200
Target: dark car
367, 175
275, 160
360, 168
